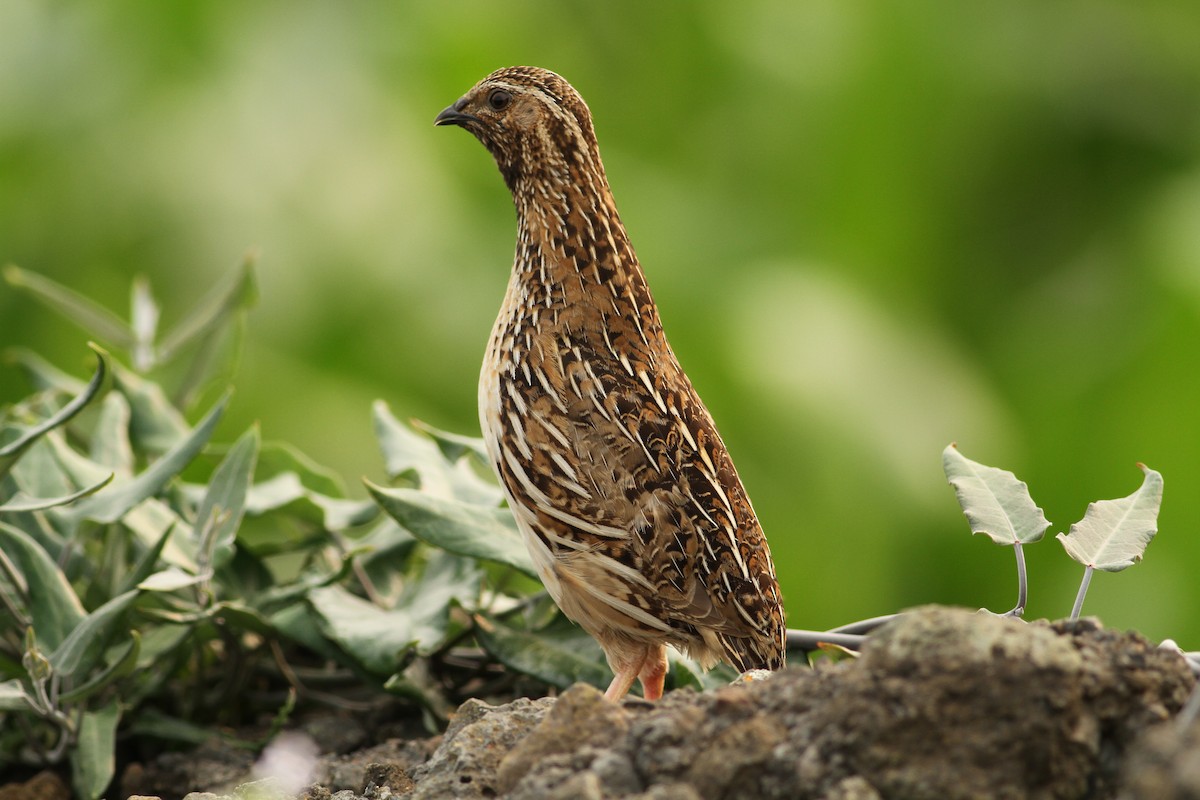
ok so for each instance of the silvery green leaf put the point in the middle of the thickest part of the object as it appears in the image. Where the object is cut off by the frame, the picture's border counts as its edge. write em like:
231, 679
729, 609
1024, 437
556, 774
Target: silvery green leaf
993, 500
559, 654
13, 696
453, 445
93, 759
279, 457
143, 316
10, 452
54, 609
407, 452
42, 374
286, 491
110, 442
1113, 534
169, 580
154, 424
220, 513
380, 640
111, 505
463, 528
87, 314
84, 646
237, 291
20, 503
120, 666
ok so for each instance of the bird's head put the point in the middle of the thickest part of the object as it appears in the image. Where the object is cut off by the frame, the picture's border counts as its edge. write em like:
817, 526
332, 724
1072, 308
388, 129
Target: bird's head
532, 121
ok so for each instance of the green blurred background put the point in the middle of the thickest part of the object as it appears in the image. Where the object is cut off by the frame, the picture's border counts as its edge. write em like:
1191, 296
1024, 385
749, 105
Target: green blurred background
872, 229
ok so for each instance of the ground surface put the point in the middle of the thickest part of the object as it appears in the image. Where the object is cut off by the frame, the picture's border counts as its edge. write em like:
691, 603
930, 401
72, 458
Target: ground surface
943, 704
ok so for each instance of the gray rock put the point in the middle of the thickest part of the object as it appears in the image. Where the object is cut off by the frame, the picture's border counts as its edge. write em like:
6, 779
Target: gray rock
466, 762
581, 717
944, 703
1164, 765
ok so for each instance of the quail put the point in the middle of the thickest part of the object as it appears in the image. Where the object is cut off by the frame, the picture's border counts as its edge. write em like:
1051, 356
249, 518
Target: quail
621, 487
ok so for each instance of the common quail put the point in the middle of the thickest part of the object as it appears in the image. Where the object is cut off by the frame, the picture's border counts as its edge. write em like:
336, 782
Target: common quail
624, 492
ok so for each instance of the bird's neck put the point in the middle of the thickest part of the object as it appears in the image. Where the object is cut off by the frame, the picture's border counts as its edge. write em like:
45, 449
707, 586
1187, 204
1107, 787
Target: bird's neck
569, 234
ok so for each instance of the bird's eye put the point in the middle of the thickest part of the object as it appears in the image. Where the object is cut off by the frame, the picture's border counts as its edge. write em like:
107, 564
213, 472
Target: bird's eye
499, 99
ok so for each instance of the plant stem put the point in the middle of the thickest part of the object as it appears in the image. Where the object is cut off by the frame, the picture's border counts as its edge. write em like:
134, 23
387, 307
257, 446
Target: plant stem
1083, 587
1022, 583
1188, 713
809, 641
864, 626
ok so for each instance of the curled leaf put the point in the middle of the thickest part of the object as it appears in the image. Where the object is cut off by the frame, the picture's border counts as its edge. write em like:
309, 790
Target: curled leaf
10, 452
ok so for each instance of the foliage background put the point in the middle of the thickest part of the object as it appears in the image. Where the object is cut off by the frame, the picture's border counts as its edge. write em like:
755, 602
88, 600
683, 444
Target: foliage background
872, 228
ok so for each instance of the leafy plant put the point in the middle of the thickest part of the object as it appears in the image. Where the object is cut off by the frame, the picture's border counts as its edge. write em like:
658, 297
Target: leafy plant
161, 585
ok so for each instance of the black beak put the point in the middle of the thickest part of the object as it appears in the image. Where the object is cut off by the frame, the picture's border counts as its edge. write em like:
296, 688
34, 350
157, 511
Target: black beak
454, 115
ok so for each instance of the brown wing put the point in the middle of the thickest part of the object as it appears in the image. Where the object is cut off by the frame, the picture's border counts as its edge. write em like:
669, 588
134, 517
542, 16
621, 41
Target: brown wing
624, 463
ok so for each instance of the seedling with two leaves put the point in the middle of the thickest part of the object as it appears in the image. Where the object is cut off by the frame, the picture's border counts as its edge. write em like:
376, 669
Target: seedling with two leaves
1112, 536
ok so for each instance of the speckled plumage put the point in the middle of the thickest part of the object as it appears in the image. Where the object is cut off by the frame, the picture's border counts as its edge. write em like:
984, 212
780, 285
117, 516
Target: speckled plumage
625, 494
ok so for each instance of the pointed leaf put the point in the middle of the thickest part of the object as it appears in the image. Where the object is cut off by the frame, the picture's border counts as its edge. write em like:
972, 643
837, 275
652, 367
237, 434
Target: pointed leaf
121, 666
70, 465
683, 671
54, 609
1113, 534
143, 315
381, 641
560, 654
146, 564
42, 503
113, 504
169, 580
42, 374
285, 492
446, 580
225, 502
110, 441
408, 452
993, 500
465, 529
150, 520
301, 623
10, 452
239, 291
454, 445
97, 320
14, 698
154, 423
93, 760
159, 642
279, 457
84, 647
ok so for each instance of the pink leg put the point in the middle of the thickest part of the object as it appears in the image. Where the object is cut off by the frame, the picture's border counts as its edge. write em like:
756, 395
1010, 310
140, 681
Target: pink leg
649, 664
653, 672
623, 678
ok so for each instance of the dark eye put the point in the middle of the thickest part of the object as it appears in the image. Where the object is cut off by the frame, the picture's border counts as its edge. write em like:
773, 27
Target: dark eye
499, 99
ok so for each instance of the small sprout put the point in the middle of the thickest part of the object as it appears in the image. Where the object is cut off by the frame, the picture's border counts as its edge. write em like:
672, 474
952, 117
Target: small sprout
997, 504
1113, 534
